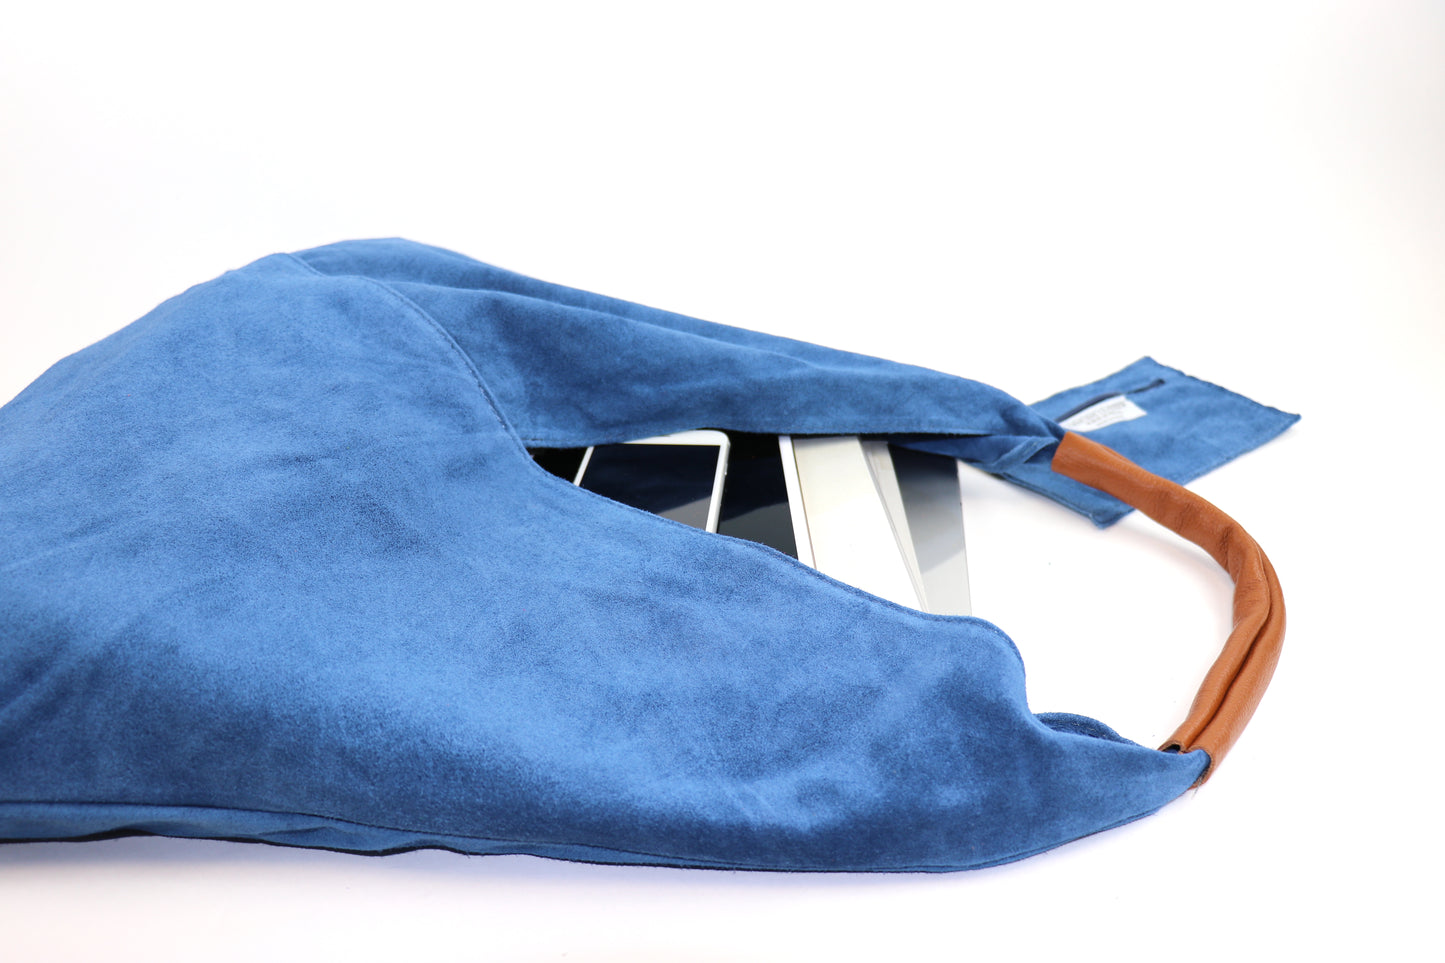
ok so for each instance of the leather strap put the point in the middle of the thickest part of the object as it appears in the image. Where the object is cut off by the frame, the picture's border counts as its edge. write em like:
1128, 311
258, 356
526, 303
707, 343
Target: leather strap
1237, 680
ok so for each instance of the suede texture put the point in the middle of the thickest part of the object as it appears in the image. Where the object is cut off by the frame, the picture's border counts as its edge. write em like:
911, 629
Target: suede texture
275, 565
1190, 427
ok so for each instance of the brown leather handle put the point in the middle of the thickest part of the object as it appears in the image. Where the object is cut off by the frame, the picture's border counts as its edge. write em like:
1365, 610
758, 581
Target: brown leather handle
1237, 680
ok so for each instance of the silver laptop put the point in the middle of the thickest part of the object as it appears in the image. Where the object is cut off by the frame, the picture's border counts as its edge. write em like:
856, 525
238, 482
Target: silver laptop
885, 519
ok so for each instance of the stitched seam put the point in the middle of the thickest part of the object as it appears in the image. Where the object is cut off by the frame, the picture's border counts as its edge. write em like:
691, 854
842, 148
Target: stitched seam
442, 333
697, 861
185, 807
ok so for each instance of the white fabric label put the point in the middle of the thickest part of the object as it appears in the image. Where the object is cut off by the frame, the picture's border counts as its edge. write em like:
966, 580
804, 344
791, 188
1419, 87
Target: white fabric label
1108, 412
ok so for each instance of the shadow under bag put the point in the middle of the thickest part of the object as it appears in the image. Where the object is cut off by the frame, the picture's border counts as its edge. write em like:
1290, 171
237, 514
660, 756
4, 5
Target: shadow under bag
275, 565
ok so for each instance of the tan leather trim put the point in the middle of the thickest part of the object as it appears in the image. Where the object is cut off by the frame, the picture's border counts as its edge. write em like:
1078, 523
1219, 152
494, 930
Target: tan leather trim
1237, 680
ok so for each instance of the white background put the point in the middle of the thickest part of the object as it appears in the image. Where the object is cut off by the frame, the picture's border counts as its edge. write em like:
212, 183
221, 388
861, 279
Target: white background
1032, 195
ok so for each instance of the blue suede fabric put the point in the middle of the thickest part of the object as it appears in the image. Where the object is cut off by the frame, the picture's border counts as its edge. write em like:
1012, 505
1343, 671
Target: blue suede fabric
275, 565
1190, 427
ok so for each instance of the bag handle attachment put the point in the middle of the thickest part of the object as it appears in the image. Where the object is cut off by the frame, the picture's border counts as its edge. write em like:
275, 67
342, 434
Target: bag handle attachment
1236, 682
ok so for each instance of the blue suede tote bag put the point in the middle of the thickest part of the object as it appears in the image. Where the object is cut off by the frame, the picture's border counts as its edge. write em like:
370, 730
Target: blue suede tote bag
275, 565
